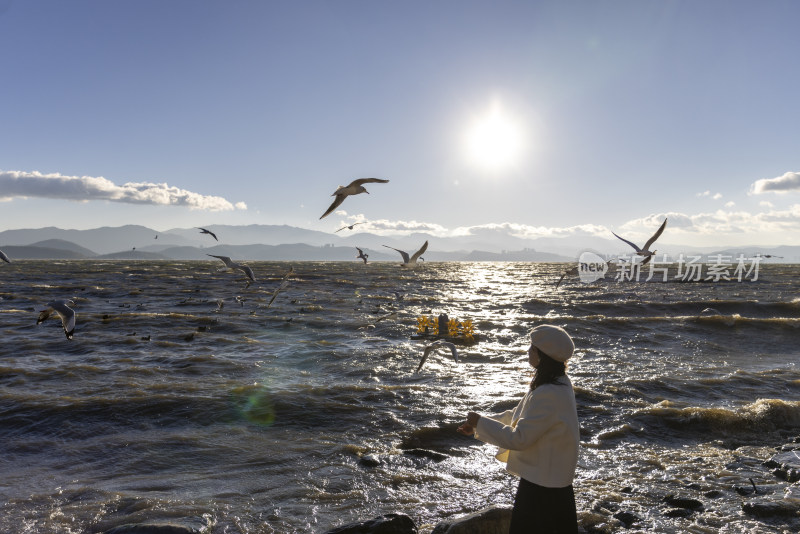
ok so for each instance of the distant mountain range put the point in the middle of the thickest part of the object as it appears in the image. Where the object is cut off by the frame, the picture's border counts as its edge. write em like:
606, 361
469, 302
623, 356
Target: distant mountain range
288, 243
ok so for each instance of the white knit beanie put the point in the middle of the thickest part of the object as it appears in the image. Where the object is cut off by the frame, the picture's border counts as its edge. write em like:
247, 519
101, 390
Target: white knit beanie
553, 341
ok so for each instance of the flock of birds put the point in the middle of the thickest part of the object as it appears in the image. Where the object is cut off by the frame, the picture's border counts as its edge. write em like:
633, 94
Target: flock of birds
64, 308
68, 316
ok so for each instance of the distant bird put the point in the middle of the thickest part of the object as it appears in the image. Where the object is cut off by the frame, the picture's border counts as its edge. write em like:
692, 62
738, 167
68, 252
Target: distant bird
209, 232
230, 264
283, 285
410, 261
434, 346
569, 272
5, 258
645, 251
354, 188
362, 255
66, 313
349, 227
156, 237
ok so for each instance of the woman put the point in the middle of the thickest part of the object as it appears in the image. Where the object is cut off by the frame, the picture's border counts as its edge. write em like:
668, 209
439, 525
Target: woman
539, 438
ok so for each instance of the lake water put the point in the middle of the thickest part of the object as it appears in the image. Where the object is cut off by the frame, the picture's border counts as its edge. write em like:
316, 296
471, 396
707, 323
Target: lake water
241, 418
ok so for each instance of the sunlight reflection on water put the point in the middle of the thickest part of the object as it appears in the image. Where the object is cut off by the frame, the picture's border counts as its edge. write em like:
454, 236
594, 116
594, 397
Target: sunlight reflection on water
261, 417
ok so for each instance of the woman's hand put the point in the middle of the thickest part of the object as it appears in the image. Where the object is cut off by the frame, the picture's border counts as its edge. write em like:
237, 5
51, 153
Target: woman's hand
468, 428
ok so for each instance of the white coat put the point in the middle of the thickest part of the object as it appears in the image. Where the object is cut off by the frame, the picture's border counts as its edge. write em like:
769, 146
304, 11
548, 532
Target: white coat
539, 438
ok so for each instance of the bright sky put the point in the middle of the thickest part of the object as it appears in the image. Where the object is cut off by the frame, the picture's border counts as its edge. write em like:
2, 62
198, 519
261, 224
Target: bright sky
548, 118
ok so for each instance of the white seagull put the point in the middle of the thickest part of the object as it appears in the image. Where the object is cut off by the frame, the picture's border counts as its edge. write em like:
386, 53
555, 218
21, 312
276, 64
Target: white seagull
412, 260
362, 255
209, 232
570, 271
66, 313
230, 264
434, 346
645, 250
4, 257
350, 227
283, 285
354, 188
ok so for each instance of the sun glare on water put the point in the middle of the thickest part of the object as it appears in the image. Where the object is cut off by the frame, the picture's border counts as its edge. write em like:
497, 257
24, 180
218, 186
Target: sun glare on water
494, 141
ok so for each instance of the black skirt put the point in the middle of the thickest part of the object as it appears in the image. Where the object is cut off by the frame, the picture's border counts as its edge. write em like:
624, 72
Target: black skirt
543, 510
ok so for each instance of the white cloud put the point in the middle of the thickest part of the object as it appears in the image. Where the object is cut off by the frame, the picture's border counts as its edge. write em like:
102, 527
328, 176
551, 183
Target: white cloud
387, 227
704, 194
766, 204
730, 204
782, 184
15, 184
705, 227
723, 222
525, 231
717, 196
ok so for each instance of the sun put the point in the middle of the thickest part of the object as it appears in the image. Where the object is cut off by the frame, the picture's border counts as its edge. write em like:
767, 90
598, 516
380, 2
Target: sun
494, 141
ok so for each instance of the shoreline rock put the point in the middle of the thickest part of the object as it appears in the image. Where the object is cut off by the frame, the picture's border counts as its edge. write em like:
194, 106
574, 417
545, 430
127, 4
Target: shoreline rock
385, 524
492, 520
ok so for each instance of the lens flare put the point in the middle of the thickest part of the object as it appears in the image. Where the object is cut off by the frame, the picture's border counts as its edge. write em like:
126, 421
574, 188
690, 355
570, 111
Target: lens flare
254, 404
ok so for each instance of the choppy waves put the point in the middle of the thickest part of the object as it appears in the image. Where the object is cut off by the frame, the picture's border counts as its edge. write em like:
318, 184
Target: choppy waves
184, 391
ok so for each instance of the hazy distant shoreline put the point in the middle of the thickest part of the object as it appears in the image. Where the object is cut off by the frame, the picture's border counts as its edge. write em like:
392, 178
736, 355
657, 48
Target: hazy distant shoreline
287, 243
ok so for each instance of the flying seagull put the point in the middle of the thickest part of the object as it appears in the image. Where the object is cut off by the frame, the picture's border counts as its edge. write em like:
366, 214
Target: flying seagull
570, 271
434, 346
348, 227
362, 255
283, 285
209, 232
645, 251
355, 187
66, 313
230, 264
5, 258
410, 261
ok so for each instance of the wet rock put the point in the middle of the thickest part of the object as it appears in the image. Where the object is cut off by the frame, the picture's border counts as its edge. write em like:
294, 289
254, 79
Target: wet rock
678, 512
792, 494
370, 460
766, 509
786, 465
494, 520
746, 490
627, 518
683, 502
605, 507
713, 494
385, 524
425, 453
151, 529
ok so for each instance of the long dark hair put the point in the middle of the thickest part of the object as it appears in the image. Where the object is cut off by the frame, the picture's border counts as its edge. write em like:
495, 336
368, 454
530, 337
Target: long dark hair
548, 371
